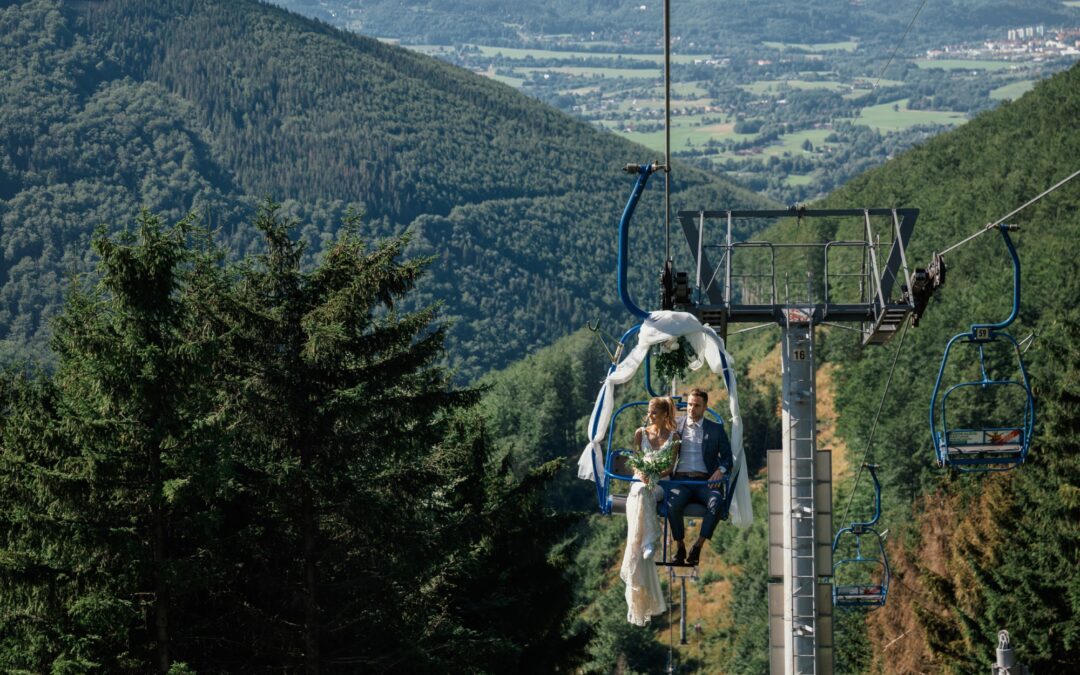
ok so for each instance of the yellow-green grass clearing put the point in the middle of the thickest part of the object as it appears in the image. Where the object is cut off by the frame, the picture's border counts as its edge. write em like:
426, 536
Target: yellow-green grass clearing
597, 43
788, 143
848, 46
431, 50
966, 64
1016, 89
581, 91
685, 133
1071, 3
523, 53
515, 82
894, 116
657, 104
584, 71
793, 142
682, 89
798, 179
776, 86
859, 92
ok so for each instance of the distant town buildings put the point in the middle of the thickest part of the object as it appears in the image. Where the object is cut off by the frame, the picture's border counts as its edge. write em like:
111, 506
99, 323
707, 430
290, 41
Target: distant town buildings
1026, 33
1026, 43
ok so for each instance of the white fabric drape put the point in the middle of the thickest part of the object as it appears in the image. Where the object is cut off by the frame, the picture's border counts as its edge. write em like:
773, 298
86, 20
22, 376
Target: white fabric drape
644, 596
658, 328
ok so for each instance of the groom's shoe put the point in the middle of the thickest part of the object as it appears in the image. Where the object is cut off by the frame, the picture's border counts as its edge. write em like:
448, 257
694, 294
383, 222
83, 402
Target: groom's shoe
680, 556
695, 554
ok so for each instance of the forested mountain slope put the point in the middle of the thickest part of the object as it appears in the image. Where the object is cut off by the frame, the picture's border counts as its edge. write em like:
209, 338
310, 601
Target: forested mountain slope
112, 106
990, 551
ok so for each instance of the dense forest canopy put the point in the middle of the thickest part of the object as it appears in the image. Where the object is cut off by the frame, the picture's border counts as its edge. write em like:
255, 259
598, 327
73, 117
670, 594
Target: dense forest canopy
109, 107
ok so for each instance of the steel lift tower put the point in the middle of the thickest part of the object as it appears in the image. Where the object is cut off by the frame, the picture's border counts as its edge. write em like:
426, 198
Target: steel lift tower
863, 284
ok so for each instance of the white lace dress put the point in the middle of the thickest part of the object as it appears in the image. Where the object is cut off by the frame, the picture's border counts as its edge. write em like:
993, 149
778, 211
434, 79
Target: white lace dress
644, 597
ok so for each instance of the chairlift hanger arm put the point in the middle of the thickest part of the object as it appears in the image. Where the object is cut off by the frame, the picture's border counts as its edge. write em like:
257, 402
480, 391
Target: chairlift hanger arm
1004, 229
872, 468
643, 172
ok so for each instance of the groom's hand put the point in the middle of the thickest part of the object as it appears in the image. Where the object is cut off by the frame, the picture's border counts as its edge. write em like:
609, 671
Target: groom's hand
716, 479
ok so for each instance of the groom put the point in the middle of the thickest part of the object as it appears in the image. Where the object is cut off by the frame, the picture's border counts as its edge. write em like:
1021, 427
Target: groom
705, 454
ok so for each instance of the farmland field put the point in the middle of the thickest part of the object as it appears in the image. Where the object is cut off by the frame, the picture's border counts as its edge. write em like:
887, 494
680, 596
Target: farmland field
587, 71
789, 144
682, 89
521, 54
965, 64
775, 86
848, 46
894, 116
797, 179
686, 132
1012, 91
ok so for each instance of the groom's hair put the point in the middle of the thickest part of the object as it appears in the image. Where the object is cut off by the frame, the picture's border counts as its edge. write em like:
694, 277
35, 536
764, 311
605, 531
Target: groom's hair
700, 393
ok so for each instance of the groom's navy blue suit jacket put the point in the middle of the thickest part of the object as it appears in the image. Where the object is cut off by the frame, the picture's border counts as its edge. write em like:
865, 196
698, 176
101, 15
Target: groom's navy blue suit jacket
715, 448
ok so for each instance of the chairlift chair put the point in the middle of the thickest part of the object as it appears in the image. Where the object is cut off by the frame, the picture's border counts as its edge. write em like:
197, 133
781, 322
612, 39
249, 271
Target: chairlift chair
862, 582
989, 446
617, 470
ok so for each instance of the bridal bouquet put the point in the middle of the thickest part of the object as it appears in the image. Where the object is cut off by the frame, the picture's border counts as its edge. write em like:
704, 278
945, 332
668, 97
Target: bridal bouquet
652, 464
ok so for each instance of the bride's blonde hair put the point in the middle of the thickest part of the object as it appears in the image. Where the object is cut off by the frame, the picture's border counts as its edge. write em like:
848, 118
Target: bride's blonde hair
665, 406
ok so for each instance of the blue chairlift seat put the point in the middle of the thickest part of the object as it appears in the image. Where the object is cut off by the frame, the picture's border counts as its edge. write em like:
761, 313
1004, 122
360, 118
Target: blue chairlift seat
1002, 444
862, 581
617, 470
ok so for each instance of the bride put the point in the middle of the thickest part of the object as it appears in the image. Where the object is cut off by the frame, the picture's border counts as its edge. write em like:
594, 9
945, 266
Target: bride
658, 438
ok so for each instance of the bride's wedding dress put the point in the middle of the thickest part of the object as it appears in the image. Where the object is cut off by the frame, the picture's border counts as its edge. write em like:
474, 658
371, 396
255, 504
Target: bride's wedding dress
644, 597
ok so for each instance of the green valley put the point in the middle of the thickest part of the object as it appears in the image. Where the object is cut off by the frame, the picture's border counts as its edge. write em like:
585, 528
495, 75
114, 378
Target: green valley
605, 66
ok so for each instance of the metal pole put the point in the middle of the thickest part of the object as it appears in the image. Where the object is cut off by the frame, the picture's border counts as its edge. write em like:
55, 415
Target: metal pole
682, 612
799, 509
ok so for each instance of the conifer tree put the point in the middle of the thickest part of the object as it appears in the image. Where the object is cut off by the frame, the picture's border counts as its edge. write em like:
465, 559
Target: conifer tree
341, 403
119, 469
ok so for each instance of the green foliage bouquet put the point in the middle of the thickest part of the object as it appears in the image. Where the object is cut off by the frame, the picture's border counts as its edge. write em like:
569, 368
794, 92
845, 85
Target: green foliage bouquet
673, 358
653, 463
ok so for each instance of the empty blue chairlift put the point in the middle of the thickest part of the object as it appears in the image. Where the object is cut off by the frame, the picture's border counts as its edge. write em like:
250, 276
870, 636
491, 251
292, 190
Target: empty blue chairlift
862, 581
992, 430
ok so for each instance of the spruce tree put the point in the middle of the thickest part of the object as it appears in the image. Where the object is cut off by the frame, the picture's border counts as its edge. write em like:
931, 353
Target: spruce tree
343, 407
117, 474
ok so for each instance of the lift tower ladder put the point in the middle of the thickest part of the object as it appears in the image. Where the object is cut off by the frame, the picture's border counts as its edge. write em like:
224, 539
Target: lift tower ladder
800, 573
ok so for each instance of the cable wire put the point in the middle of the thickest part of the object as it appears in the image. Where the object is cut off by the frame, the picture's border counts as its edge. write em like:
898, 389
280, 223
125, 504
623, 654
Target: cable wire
877, 417
897, 47
1012, 213
667, 130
